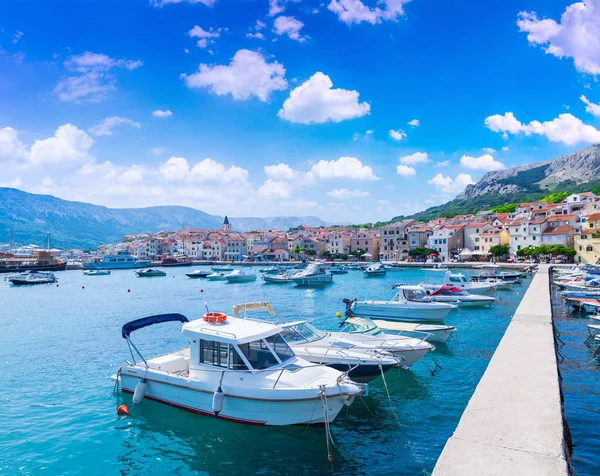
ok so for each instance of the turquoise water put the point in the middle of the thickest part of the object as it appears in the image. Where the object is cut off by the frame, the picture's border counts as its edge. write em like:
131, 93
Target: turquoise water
580, 384
60, 345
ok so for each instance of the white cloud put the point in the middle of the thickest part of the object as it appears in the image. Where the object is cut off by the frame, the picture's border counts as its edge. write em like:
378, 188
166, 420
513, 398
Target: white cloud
416, 158
92, 79
414, 123
258, 35
344, 167
276, 7
105, 127
447, 185
11, 147
177, 169
17, 36
315, 102
405, 171
355, 11
159, 113
488, 150
289, 26
592, 108
162, 3
255, 31
485, 162
566, 128
205, 37
443, 163
158, 150
275, 189
344, 193
504, 149
247, 75
280, 172
577, 35
69, 145
133, 174
398, 135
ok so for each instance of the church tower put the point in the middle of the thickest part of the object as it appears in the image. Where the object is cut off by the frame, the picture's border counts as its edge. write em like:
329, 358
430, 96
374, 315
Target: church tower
226, 227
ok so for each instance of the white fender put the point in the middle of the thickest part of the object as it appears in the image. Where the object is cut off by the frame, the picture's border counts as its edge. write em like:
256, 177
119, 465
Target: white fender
140, 391
349, 400
218, 397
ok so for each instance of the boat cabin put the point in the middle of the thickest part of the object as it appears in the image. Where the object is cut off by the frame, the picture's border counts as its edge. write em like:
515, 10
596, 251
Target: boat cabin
412, 293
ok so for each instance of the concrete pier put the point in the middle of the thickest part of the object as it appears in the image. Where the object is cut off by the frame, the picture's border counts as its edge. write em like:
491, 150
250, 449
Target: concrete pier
513, 424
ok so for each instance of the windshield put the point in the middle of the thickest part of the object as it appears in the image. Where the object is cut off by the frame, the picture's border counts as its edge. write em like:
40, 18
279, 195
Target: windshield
456, 278
414, 294
280, 347
362, 326
301, 333
258, 354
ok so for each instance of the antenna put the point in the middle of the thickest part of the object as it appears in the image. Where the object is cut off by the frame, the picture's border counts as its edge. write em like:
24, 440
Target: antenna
48, 241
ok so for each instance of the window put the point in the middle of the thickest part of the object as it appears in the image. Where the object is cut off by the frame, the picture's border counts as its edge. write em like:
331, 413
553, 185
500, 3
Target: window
584, 237
214, 353
476, 240
280, 347
258, 354
533, 238
591, 224
589, 248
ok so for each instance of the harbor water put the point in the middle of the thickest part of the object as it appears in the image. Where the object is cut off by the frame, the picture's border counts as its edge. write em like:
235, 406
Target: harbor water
60, 345
580, 384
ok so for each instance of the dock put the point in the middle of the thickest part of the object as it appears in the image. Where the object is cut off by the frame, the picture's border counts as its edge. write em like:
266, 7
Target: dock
513, 424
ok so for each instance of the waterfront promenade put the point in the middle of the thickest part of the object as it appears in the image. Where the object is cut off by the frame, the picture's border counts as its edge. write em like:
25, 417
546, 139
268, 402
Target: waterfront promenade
513, 424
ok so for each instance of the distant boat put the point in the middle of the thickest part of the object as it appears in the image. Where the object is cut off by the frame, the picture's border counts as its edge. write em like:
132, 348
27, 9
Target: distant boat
199, 273
150, 273
96, 272
176, 261
281, 278
376, 269
29, 278
269, 270
217, 277
313, 275
121, 260
41, 261
240, 276
338, 270
227, 268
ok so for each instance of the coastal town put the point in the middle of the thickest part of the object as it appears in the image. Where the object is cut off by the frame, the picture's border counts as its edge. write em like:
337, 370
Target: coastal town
521, 233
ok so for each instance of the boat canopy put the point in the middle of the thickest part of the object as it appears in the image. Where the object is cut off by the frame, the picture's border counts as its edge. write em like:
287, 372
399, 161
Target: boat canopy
150, 320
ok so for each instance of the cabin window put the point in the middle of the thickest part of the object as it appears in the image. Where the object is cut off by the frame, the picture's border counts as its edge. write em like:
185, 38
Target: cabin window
214, 353
279, 345
258, 354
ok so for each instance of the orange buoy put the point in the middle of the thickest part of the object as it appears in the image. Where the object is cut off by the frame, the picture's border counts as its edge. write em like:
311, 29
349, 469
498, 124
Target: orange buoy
215, 317
122, 410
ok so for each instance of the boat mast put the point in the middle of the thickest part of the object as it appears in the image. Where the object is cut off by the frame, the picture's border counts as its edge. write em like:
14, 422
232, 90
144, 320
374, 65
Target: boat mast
11, 238
48, 241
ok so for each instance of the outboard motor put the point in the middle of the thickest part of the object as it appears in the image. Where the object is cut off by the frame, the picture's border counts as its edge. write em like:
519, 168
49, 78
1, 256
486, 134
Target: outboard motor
348, 303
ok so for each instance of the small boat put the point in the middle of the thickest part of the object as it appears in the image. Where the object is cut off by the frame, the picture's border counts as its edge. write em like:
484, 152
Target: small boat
375, 269
226, 268
281, 278
499, 283
513, 277
401, 307
582, 304
586, 294
239, 370
121, 260
176, 261
269, 270
217, 277
454, 295
39, 261
459, 280
428, 332
199, 273
29, 278
338, 270
313, 275
96, 272
240, 276
150, 273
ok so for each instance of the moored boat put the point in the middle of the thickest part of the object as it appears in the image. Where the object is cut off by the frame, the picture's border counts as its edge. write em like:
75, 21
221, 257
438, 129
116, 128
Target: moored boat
240, 370
240, 276
217, 277
284, 276
454, 295
226, 268
375, 269
121, 260
30, 277
313, 275
150, 273
176, 261
459, 280
40, 261
96, 272
199, 273
428, 332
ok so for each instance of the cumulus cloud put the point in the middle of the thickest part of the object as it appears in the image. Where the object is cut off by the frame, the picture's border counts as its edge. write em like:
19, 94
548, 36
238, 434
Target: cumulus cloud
405, 171
162, 3
289, 26
280, 172
443, 163
11, 148
276, 7
447, 185
178, 169
205, 37
274, 189
566, 128
414, 123
590, 107
92, 77
576, 36
105, 127
488, 150
485, 162
416, 158
316, 102
159, 113
255, 31
355, 11
398, 135
344, 167
68, 145
344, 193
247, 75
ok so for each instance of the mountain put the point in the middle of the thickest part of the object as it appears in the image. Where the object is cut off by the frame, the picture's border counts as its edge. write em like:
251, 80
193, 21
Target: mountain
82, 225
577, 172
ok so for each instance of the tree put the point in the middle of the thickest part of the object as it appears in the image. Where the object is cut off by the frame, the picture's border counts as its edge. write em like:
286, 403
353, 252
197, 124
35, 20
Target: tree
297, 250
358, 253
499, 250
508, 208
311, 252
421, 252
326, 254
555, 197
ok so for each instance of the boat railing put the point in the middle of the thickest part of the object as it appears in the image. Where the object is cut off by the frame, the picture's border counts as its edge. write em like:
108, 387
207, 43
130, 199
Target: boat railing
216, 332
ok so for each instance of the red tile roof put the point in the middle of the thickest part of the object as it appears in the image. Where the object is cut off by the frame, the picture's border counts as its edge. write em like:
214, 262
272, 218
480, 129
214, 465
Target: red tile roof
561, 230
593, 217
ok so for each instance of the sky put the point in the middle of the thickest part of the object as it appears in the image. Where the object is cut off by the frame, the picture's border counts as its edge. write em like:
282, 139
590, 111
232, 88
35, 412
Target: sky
352, 111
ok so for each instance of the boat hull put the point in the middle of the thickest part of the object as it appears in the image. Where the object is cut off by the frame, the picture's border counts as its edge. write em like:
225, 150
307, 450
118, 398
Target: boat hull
313, 281
136, 265
198, 275
239, 409
50, 267
239, 279
275, 280
475, 301
363, 373
393, 311
24, 282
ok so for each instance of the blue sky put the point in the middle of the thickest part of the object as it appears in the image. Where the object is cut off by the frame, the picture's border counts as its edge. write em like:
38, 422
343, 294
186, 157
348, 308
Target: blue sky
348, 110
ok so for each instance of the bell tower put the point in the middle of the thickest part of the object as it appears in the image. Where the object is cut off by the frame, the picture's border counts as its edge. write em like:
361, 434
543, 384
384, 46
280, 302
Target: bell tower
226, 227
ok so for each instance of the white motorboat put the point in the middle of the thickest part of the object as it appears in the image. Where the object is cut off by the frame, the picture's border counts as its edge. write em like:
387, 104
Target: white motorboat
150, 273
428, 332
240, 276
313, 275
460, 281
199, 273
338, 270
96, 272
375, 269
284, 276
217, 277
236, 369
226, 268
400, 308
29, 278
269, 270
453, 295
